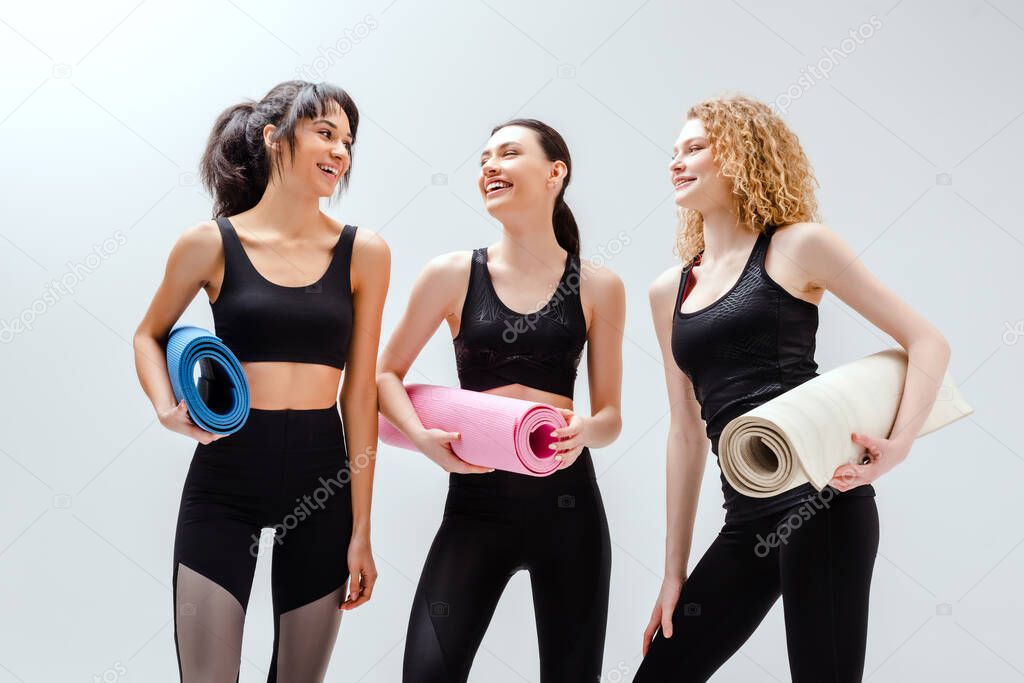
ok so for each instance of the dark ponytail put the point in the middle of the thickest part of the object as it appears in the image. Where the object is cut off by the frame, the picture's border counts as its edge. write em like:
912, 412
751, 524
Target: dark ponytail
555, 149
237, 166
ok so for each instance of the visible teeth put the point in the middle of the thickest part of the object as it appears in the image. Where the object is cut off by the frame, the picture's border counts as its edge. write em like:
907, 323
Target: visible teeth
328, 169
497, 184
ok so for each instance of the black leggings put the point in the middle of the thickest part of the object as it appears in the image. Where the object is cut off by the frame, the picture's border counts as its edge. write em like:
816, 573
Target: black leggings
817, 555
494, 525
288, 470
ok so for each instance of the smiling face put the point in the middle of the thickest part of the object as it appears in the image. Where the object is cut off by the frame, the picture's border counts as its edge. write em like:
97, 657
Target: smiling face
323, 148
695, 174
515, 172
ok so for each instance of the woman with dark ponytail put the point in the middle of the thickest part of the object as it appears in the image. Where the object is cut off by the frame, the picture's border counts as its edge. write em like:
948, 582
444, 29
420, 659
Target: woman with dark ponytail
516, 334
298, 298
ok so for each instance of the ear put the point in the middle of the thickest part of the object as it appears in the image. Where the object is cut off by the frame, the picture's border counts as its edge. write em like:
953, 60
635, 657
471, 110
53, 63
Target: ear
268, 131
558, 172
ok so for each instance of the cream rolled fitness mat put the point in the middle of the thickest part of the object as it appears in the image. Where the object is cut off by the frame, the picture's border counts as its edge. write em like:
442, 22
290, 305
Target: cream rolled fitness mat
804, 434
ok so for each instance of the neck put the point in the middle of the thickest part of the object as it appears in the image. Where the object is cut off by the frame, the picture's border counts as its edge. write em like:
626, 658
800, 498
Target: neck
528, 242
292, 212
724, 235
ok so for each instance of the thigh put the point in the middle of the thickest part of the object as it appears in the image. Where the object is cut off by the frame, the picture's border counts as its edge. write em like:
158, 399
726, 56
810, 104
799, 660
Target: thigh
218, 528
826, 565
466, 570
569, 559
312, 527
724, 599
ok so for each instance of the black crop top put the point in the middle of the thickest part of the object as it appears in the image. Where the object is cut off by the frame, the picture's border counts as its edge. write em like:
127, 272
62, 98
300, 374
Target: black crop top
263, 321
497, 346
753, 344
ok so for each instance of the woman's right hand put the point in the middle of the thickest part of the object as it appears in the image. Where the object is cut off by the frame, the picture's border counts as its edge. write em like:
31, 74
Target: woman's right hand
664, 608
436, 445
177, 420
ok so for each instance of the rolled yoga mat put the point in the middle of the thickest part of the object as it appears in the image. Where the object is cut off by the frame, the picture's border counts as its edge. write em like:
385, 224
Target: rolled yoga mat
804, 434
218, 400
500, 432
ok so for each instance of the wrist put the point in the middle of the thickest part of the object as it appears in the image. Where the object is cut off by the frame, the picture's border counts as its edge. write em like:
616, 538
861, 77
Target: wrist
361, 530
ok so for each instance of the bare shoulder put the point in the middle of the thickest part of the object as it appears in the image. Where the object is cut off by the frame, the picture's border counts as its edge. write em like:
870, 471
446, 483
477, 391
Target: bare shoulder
801, 236
371, 247
602, 281
820, 251
447, 269
665, 285
199, 244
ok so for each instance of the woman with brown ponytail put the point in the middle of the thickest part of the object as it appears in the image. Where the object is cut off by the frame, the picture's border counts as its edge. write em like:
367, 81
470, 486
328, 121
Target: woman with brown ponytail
516, 334
298, 298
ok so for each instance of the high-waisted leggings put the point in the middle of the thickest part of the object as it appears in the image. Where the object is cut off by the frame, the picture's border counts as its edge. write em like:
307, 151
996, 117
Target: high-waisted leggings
494, 525
287, 470
818, 556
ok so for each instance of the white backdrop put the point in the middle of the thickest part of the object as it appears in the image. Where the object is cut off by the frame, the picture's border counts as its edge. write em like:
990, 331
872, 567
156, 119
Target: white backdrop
907, 110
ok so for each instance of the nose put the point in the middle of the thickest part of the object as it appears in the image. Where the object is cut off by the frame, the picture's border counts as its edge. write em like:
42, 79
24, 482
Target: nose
340, 151
676, 163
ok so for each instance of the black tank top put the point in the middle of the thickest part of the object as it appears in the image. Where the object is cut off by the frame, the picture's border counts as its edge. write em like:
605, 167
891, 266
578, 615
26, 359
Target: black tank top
753, 344
497, 346
263, 321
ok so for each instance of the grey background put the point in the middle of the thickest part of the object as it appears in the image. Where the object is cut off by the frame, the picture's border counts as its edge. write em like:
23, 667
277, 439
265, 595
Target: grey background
915, 136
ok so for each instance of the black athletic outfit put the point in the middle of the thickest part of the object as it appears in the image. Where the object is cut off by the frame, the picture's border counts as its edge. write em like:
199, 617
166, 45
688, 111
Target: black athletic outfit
285, 469
816, 550
498, 523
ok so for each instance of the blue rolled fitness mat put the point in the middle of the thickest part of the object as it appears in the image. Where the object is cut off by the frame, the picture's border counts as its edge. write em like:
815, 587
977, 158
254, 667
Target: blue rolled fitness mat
218, 400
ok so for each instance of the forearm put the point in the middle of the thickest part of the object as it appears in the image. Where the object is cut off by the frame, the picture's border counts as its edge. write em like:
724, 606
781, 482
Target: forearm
395, 404
605, 426
360, 418
684, 471
151, 369
928, 360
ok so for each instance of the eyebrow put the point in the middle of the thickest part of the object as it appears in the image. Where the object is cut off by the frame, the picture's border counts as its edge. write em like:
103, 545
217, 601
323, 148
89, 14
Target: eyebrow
331, 124
500, 147
688, 141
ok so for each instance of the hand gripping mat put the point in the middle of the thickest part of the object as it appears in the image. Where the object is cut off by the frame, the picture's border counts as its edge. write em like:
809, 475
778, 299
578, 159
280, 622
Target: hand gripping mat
218, 401
507, 434
804, 434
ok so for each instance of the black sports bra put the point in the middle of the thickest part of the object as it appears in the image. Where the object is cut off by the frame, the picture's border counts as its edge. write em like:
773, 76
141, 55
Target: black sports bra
263, 321
497, 346
754, 343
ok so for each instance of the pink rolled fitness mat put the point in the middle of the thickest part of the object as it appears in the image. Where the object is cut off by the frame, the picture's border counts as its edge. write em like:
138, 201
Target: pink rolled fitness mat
504, 433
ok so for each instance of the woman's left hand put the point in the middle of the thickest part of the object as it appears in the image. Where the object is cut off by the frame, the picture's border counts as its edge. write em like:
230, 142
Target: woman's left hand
362, 572
880, 456
572, 438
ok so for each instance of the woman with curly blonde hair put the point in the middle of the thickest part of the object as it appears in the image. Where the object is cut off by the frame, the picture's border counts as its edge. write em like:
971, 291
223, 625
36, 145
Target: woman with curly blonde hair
736, 321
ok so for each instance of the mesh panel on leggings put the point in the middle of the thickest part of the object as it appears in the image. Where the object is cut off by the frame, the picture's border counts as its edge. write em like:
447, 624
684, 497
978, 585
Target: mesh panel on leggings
305, 639
208, 624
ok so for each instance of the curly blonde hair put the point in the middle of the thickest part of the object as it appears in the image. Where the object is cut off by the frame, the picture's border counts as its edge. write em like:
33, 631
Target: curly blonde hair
772, 180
